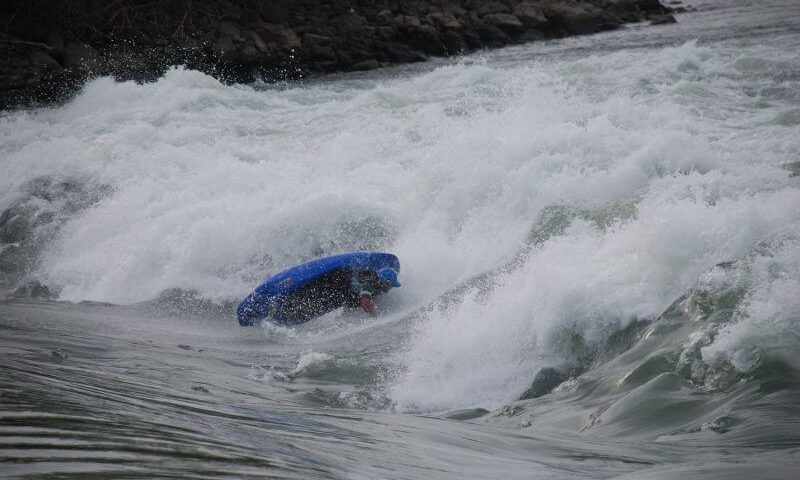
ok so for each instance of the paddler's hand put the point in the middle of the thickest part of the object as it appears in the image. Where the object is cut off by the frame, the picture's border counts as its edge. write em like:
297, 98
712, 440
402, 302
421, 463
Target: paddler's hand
368, 305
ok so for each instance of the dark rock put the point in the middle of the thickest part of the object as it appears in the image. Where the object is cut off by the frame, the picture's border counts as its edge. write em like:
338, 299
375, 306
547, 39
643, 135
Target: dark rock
370, 64
454, 44
406, 21
230, 30
353, 55
506, 22
225, 48
425, 38
257, 41
15, 225
322, 53
237, 39
472, 38
793, 168
585, 23
314, 39
232, 12
33, 290
385, 16
13, 260
531, 36
400, 53
466, 414
55, 41
442, 19
43, 59
531, 15
385, 33
651, 6
352, 25
662, 19
492, 36
275, 12
280, 35
80, 57
487, 8
250, 54
546, 380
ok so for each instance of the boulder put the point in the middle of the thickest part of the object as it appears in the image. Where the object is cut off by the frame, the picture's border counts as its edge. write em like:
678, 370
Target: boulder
225, 47
651, 6
352, 55
43, 60
530, 15
352, 25
440, 19
315, 39
662, 19
454, 25
250, 54
55, 41
547, 379
492, 36
370, 64
232, 12
385, 16
385, 33
506, 22
230, 30
257, 41
321, 53
453, 43
280, 35
400, 53
588, 22
407, 21
82, 58
472, 38
577, 19
425, 38
531, 36
274, 12
487, 8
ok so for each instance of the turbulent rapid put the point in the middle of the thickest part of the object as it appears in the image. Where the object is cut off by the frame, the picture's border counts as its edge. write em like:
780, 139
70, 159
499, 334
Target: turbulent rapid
600, 249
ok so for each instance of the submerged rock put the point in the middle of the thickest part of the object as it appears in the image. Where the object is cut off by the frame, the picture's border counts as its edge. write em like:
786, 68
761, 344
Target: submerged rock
34, 290
547, 379
662, 20
466, 414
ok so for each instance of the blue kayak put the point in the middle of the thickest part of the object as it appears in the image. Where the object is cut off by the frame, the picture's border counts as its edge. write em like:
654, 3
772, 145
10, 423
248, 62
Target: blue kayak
306, 291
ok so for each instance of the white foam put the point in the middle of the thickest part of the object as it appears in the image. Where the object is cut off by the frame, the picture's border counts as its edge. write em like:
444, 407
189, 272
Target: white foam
216, 187
769, 318
308, 359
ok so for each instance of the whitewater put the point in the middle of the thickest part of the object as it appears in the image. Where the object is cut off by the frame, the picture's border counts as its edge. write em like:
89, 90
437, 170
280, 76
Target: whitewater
600, 249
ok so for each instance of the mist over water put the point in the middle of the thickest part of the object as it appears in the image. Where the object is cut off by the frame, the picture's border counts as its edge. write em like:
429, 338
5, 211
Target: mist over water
622, 209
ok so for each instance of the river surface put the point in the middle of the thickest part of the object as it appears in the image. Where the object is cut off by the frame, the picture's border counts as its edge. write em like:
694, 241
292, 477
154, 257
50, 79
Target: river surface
600, 249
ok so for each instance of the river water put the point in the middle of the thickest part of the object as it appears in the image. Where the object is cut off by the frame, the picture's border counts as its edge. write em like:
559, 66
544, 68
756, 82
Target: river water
600, 248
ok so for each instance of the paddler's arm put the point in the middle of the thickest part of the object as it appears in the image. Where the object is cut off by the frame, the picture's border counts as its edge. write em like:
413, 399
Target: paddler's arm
368, 305
364, 296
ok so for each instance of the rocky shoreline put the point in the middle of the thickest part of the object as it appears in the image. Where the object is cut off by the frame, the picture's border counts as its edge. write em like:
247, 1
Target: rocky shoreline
49, 48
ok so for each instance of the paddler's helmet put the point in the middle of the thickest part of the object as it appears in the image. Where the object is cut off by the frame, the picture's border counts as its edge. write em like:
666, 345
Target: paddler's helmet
389, 275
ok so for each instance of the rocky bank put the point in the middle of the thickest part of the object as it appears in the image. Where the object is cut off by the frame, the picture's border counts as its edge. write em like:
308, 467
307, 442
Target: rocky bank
48, 48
